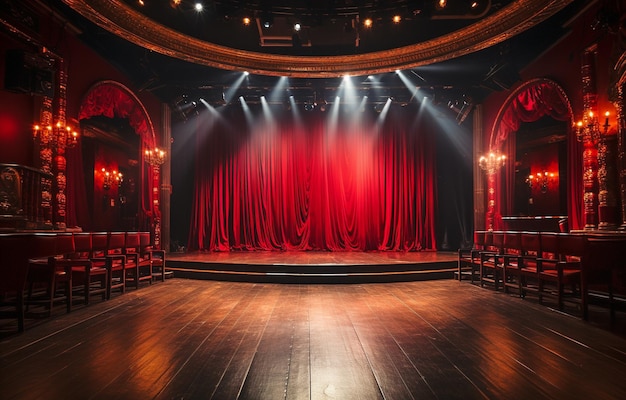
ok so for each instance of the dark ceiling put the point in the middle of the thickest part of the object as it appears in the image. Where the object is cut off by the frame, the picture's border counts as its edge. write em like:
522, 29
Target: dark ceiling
329, 27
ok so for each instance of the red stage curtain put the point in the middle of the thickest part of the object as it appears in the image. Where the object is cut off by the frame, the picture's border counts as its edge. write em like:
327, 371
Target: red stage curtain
310, 185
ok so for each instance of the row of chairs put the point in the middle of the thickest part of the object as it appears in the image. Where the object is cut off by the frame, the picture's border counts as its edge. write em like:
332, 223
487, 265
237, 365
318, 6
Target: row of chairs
49, 268
574, 264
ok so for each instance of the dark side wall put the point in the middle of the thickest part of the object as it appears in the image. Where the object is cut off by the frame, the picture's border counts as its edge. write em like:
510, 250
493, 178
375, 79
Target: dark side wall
85, 67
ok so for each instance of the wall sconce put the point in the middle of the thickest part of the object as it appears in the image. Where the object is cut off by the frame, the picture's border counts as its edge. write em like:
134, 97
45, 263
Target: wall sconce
542, 179
589, 128
56, 136
110, 178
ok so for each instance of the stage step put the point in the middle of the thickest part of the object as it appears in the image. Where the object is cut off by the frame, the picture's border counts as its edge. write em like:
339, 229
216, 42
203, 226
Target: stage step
310, 273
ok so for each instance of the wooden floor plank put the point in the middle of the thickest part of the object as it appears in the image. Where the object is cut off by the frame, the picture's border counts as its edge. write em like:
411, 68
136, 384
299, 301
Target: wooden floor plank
206, 339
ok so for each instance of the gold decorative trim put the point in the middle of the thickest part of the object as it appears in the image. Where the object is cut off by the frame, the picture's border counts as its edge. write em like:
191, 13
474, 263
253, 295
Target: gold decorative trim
119, 18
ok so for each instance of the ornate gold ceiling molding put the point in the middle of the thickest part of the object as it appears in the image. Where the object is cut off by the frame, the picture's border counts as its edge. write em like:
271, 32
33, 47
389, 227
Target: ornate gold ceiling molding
122, 20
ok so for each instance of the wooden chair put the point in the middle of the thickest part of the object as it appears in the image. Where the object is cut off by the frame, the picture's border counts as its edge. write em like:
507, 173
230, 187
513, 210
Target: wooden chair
509, 263
50, 282
141, 271
603, 264
527, 262
469, 259
89, 274
156, 256
116, 261
566, 268
490, 267
15, 249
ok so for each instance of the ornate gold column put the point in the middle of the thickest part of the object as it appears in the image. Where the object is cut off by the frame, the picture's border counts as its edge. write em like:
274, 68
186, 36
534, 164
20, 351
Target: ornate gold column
588, 135
607, 180
621, 143
44, 146
60, 162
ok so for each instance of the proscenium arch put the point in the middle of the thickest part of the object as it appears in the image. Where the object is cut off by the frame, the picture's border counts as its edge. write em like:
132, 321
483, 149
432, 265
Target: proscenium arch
114, 100
531, 101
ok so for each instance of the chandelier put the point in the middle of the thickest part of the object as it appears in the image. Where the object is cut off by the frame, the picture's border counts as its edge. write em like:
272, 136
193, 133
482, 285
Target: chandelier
492, 162
155, 157
57, 136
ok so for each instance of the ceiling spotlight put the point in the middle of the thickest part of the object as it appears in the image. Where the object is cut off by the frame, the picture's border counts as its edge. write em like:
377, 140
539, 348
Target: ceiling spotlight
199, 7
175, 3
297, 27
442, 3
474, 4
246, 73
368, 22
246, 21
267, 20
396, 19
141, 3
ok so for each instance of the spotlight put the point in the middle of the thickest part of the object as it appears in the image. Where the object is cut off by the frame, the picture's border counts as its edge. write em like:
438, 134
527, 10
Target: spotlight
297, 27
141, 3
396, 19
368, 22
442, 3
199, 7
174, 3
246, 73
267, 20
246, 21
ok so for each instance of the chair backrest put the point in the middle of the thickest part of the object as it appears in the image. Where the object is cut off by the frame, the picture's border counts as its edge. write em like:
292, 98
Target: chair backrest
512, 242
498, 241
144, 239
99, 242
116, 242
479, 240
531, 243
132, 243
549, 245
571, 245
43, 245
82, 243
65, 244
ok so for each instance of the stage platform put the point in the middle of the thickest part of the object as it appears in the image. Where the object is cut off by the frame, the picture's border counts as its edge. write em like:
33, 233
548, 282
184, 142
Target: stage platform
314, 266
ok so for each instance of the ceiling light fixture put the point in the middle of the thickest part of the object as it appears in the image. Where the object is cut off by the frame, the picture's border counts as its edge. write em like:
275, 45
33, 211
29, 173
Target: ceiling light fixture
396, 19
199, 7
368, 22
246, 21
297, 27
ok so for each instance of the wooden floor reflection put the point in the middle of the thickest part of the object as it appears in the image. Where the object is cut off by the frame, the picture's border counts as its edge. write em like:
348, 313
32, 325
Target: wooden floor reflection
195, 339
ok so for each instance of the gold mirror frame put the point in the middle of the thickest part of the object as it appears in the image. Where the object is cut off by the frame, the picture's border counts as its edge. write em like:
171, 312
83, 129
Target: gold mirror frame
120, 19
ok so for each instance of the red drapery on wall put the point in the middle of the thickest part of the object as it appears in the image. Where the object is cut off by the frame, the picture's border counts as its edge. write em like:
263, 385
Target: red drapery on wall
314, 186
532, 101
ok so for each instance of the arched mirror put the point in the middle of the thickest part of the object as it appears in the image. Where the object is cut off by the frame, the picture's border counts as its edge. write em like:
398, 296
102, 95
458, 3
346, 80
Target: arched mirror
533, 129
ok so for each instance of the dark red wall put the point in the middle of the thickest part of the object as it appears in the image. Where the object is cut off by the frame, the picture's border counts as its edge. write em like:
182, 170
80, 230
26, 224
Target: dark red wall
85, 68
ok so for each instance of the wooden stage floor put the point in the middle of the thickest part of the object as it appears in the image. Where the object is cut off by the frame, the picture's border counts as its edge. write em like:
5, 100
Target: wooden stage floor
309, 266
202, 339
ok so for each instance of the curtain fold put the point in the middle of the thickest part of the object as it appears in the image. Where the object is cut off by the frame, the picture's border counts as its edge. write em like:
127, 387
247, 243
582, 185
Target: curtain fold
322, 182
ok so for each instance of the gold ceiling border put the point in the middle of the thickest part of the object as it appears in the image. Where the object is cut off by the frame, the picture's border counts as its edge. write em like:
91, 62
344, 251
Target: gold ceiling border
122, 20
